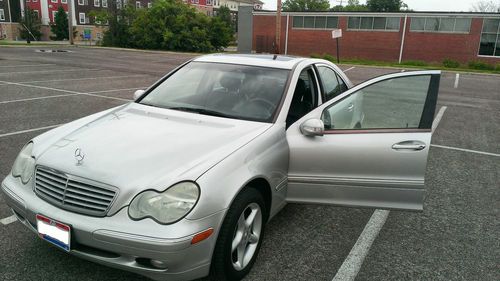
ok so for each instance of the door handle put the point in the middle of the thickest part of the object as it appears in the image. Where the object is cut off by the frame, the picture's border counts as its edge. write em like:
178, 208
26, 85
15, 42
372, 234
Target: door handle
350, 107
409, 145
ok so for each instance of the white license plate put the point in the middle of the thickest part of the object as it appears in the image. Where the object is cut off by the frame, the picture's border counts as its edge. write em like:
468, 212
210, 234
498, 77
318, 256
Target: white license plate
54, 232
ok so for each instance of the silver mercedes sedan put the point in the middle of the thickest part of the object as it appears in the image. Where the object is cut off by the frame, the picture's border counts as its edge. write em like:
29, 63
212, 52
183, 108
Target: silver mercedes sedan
180, 183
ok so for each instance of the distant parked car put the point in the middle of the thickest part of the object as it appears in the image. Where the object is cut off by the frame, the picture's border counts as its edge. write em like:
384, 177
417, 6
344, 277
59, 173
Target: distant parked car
180, 183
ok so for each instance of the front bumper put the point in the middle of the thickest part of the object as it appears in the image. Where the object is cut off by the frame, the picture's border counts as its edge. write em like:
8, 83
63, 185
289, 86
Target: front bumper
120, 242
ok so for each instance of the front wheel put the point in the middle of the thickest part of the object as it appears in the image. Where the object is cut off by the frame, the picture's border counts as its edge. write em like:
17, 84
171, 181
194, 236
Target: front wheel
240, 237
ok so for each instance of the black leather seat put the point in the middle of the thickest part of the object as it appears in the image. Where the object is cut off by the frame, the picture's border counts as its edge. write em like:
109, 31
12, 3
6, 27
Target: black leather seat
301, 103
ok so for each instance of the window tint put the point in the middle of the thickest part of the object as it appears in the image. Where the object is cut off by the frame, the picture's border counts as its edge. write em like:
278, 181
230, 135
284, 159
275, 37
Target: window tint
304, 97
440, 24
390, 104
331, 83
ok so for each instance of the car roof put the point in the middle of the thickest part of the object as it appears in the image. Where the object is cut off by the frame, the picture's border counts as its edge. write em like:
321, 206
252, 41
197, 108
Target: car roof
264, 60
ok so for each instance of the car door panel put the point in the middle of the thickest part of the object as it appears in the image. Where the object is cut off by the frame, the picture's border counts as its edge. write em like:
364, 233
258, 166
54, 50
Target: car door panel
381, 162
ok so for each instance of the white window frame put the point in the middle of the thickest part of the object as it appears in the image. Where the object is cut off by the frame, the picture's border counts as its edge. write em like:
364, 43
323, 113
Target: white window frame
37, 13
80, 18
2, 14
104, 3
62, 1
53, 1
54, 16
34, 1
97, 3
439, 25
81, 2
150, 4
138, 4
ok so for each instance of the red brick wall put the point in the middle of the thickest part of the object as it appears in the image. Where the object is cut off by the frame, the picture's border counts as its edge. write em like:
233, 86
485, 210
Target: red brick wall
374, 45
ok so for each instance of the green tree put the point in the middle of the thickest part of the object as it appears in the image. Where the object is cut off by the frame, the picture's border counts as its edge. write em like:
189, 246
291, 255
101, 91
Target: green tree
224, 14
30, 25
385, 5
60, 26
352, 6
306, 5
220, 33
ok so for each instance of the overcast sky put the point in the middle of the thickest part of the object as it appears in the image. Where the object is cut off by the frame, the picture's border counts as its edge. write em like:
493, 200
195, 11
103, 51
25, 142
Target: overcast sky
417, 5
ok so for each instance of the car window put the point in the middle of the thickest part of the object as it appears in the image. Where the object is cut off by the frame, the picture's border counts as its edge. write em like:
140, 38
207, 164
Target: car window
304, 97
390, 104
331, 83
224, 90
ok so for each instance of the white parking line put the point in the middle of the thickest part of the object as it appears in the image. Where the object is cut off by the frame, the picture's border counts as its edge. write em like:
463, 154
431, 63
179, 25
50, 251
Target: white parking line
438, 117
50, 71
26, 65
457, 76
352, 264
466, 150
29, 130
82, 79
8, 220
65, 91
116, 90
350, 68
38, 98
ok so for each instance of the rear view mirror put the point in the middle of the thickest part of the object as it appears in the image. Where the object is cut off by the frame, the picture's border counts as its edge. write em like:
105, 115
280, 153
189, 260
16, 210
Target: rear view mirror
312, 127
138, 94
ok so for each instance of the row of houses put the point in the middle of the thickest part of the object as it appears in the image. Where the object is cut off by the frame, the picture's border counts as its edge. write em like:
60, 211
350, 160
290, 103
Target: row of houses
11, 12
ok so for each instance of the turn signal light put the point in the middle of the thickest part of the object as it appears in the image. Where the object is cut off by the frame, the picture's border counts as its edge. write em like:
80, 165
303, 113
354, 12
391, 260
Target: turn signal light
202, 236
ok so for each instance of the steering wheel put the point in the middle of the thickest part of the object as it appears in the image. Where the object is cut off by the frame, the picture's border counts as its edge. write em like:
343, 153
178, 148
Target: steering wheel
269, 106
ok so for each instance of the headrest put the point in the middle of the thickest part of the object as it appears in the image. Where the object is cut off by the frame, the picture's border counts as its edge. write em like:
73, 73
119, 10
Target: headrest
230, 82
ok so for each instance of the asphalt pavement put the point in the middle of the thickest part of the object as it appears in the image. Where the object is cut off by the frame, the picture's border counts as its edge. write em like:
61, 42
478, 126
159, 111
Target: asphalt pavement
456, 237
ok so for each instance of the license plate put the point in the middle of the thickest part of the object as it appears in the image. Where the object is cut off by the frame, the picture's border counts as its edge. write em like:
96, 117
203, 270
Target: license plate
54, 232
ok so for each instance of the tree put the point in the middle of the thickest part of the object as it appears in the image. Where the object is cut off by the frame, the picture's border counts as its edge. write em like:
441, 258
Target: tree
385, 5
305, 5
486, 6
60, 26
30, 25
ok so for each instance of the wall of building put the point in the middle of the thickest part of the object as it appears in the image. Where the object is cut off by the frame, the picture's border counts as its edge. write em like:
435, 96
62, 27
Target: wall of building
372, 45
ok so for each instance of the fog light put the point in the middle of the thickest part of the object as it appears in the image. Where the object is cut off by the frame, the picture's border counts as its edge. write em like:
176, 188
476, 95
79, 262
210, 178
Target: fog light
159, 264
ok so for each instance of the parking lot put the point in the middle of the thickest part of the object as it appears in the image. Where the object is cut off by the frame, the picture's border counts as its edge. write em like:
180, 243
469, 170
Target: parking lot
456, 237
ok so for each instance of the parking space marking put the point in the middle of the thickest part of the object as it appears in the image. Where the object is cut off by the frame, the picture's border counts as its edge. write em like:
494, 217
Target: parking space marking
91, 94
352, 264
350, 68
116, 90
8, 220
438, 117
466, 150
26, 65
29, 130
37, 98
50, 71
82, 79
457, 76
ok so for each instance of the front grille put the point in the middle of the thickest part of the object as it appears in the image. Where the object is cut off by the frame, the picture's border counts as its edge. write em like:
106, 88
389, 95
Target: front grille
73, 193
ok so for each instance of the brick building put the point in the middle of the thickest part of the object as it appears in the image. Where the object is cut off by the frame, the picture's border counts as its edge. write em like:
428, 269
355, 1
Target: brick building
429, 37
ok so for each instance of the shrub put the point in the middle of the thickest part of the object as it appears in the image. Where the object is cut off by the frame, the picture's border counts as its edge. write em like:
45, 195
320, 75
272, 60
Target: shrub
414, 63
329, 58
481, 65
451, 63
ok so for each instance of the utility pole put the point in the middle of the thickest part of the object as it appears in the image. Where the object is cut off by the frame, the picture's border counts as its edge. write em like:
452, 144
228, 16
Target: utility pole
27, 18
278, 27
70, 21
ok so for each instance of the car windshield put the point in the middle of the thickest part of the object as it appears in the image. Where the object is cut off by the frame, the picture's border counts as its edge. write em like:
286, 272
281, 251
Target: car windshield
224, 90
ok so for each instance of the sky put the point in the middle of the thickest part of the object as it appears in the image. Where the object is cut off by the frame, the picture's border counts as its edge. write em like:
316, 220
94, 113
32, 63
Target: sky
416, 5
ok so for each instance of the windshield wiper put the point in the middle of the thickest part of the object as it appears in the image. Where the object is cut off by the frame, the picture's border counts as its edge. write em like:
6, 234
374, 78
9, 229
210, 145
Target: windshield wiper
204, 111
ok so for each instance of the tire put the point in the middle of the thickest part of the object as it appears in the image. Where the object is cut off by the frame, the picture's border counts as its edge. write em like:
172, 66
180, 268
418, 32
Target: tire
229, 265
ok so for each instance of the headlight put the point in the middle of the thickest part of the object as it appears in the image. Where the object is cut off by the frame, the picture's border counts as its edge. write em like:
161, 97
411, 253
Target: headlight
165, 207
24, 164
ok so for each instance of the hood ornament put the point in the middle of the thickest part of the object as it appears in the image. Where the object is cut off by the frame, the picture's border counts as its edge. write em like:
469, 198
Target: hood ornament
79, 156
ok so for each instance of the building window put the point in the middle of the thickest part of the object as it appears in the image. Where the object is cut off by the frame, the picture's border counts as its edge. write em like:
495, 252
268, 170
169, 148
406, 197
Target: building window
34, 1
37, 14
81, 2
138, 4
315, 22
62, 1
53, 1
374, 23
2, 14
150, 4
209, 2
490, 38
97, 3
81, 18
443, 24
118, 4
54, 16
105, 3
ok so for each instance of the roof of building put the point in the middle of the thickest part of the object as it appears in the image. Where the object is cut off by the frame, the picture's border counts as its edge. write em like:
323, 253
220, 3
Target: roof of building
274, 61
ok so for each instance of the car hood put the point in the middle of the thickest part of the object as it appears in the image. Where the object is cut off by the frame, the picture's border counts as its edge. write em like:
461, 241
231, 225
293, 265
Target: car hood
140, 147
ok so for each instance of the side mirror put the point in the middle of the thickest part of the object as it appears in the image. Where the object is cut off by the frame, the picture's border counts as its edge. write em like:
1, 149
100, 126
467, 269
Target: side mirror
312, 127
138, 94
